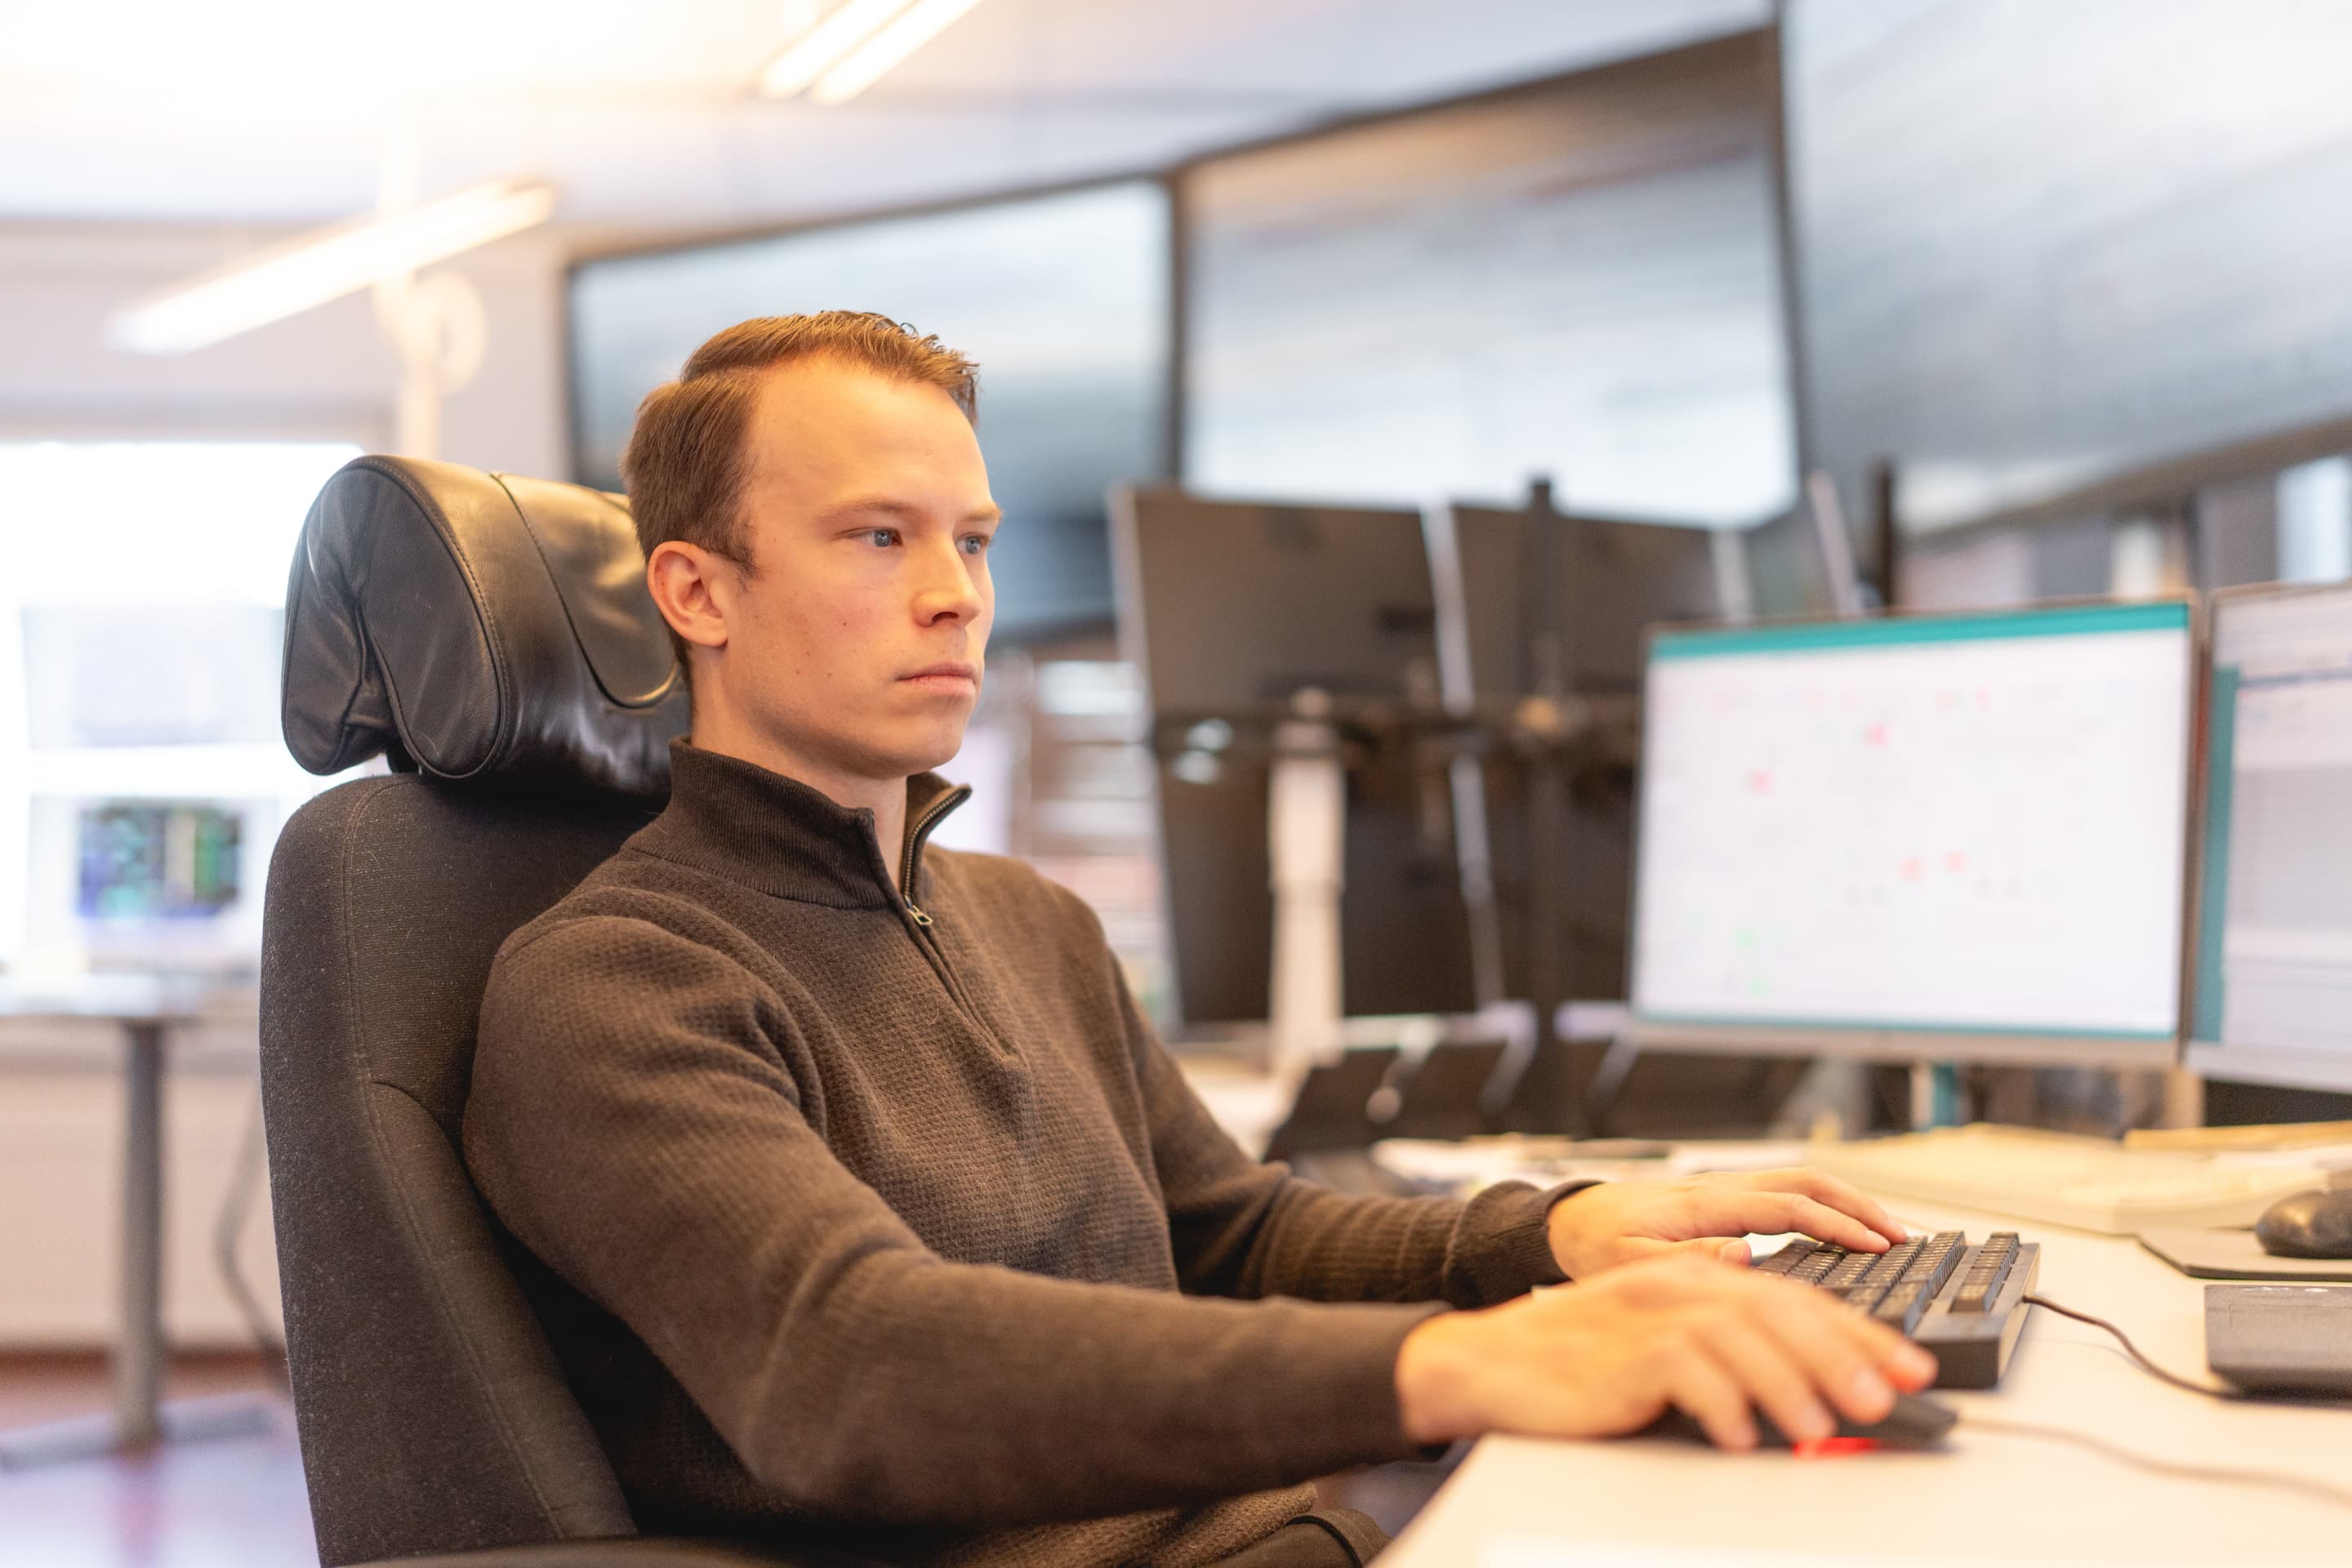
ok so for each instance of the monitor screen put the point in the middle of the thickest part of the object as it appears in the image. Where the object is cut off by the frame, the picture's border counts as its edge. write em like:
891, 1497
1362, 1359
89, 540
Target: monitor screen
1061, 298
1580, 279
2273, 977
2047, 244
157, 860
149, 882
1227, 608
1956, 836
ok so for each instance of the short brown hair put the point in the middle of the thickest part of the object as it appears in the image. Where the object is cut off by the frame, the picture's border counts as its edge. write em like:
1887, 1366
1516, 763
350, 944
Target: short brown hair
684, 464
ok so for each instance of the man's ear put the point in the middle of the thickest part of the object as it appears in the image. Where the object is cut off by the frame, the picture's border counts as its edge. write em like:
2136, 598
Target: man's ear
685, 582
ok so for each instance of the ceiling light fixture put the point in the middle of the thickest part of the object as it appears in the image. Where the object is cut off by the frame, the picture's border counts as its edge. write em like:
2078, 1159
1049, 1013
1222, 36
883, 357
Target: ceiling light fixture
824, 45
871, 60
312, 268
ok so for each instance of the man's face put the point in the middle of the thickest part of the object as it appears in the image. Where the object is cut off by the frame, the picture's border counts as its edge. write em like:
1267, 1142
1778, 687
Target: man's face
854, 643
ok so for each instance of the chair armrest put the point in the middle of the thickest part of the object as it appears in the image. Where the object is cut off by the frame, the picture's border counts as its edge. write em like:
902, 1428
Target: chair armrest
633, 1551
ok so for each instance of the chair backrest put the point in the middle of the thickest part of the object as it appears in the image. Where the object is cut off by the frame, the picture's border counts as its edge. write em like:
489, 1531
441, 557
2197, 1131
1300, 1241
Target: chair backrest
494, 635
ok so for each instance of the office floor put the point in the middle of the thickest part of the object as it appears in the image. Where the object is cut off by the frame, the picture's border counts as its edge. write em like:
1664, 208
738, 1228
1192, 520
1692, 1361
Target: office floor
229, 1502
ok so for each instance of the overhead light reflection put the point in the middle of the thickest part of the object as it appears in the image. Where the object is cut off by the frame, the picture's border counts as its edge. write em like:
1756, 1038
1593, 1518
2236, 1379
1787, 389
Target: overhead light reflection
824, 45
326, 264
873, 59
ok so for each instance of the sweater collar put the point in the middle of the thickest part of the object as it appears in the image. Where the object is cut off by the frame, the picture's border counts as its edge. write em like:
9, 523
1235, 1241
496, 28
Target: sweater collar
738, 820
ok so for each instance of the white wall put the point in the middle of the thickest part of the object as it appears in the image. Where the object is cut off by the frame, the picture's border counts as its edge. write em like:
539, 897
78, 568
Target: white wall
323, 375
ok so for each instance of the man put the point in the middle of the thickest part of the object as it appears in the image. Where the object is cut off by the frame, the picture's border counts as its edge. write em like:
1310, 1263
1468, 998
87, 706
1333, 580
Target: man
874, 1214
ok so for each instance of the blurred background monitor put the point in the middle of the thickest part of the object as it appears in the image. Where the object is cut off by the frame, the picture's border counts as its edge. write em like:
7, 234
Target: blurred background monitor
1610, 581
1935, 838
2273, 973
1227, 608
149, 860
137, 882
1061, 298
2046, 246
1580, 278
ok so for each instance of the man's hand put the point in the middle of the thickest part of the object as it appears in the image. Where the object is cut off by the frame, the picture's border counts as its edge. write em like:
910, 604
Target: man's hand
1619, 1222
1609, 1357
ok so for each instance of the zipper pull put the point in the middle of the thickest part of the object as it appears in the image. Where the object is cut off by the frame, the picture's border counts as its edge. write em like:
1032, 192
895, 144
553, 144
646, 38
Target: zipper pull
920, 917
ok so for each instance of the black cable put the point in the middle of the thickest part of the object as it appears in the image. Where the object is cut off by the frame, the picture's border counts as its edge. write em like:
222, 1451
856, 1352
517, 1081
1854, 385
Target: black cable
2339, 1496
2133, 1351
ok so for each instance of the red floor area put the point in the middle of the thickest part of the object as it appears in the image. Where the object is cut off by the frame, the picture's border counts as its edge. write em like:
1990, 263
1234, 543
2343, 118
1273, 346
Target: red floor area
231, 1502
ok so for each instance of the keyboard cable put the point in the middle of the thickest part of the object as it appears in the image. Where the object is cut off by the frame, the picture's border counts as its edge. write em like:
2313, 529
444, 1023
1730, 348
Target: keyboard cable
2341, 1497
2133, 1351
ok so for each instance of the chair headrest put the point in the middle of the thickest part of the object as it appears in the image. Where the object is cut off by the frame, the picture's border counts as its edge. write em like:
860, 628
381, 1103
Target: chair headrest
478, 626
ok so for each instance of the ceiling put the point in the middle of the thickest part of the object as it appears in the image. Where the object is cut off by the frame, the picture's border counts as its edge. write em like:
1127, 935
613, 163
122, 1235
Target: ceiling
273, 112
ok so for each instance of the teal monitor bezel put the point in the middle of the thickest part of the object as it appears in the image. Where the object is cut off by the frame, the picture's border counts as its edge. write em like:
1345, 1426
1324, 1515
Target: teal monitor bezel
2207, 1053
1921, 1040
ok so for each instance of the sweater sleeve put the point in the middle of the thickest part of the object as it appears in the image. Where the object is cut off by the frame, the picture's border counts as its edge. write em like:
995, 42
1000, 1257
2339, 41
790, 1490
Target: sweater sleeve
632, 1122
1247, 1228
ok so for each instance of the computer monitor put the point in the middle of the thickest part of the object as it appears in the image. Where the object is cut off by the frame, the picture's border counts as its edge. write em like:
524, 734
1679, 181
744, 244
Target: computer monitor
149, 882
1227, 608
2273, 994
1610, 580
1613, 578
1942, 837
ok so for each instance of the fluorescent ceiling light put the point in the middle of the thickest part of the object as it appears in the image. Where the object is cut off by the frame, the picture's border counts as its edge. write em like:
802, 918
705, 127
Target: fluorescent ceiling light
822, 46
915, 26
287, 279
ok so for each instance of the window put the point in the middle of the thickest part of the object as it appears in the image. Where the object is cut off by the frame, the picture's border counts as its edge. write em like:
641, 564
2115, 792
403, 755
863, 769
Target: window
142, 774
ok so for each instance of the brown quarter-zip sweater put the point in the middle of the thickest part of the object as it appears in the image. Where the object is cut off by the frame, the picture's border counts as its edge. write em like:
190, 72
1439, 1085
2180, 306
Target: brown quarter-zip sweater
885, 1222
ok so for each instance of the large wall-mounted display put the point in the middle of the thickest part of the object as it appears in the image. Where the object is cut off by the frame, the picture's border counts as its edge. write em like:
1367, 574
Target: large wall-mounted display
1580, 278
1062, 298
2048, 245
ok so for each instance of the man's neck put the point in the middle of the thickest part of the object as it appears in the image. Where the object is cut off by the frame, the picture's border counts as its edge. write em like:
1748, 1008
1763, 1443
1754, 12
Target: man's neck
886, 798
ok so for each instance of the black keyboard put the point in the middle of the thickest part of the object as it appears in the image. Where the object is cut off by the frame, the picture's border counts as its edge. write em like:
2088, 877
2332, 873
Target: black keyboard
1964, 1303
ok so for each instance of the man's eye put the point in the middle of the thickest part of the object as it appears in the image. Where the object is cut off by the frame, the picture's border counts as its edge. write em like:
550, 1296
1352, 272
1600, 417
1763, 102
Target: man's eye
976, 543
882, 538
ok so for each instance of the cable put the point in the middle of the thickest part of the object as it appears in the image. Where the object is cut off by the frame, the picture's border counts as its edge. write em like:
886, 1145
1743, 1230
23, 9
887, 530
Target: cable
2133, 1351
2339, 1496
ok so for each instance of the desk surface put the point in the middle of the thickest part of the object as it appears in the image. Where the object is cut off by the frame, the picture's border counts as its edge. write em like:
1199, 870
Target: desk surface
1528, 1503
168, 998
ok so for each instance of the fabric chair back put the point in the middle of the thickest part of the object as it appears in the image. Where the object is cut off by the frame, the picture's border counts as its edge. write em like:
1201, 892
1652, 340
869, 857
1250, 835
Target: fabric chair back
493, 637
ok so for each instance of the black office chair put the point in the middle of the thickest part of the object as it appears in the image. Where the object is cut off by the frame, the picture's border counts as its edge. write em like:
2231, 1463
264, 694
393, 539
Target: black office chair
493, 635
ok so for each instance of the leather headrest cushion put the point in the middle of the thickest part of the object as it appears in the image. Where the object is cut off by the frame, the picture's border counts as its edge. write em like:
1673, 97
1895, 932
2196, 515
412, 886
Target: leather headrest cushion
482, 626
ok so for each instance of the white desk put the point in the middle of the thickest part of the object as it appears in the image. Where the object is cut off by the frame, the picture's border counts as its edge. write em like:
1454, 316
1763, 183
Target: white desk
145, 1007
1654, 1501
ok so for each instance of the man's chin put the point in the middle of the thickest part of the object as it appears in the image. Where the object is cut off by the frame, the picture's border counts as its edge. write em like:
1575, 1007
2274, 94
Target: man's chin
921, 754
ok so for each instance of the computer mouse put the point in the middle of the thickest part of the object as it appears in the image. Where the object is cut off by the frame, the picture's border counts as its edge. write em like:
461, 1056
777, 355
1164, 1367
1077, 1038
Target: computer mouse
1916, 1422
2308, 1224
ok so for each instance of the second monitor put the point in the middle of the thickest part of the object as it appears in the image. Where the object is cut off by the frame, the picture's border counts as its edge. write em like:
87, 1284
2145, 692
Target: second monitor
1920, 838
1607, 581
2274, 972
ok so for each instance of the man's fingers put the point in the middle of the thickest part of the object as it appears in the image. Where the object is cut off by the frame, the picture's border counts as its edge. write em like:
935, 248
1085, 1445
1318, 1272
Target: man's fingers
1824, 1188
1843, 1366
1697, 1383
1768, 1213
1710, 1248
1856, 1361
1779, 1382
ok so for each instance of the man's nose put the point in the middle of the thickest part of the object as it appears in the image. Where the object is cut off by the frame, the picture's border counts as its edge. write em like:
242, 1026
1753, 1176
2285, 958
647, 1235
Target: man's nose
946, 585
